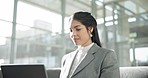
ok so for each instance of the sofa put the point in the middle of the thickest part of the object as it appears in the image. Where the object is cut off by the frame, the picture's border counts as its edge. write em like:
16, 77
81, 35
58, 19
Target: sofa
125, 72
133, 72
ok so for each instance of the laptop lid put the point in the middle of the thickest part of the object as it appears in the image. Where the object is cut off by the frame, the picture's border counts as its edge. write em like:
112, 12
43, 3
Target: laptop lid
23, 71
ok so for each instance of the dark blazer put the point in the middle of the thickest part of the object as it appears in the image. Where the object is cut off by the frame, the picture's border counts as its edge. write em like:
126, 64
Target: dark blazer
98, 63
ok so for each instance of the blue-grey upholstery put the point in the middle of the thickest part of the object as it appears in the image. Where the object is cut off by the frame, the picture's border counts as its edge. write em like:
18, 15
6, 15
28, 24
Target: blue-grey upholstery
133, 72
1, 74
53, 73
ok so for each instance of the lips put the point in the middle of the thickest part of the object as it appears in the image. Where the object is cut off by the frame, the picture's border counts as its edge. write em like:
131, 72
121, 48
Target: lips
75, 39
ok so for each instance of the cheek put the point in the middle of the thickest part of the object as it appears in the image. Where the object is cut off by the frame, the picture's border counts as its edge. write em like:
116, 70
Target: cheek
84, 35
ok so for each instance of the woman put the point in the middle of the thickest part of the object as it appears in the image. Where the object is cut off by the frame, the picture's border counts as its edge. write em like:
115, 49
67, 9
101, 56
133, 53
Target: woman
89, 60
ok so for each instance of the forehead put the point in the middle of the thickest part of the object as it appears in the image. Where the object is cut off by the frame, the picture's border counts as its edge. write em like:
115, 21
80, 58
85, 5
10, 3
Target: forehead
75, 24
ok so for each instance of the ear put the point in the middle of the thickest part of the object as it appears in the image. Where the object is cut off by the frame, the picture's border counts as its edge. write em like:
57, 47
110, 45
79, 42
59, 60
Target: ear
90, 29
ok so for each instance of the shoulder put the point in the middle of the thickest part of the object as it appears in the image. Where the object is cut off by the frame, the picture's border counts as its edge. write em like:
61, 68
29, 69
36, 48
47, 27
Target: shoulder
101, 50
103, 53
108, 53
109, 57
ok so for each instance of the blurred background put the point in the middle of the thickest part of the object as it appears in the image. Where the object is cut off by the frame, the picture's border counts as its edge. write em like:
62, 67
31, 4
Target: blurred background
37, 31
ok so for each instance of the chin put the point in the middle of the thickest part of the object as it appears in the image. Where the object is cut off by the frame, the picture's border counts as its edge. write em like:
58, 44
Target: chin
76, 44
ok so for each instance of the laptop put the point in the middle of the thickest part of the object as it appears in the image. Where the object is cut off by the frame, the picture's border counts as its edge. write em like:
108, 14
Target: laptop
24, 71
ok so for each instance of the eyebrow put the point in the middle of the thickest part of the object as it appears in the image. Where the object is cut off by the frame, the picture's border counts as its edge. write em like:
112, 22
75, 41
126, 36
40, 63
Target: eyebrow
76, 26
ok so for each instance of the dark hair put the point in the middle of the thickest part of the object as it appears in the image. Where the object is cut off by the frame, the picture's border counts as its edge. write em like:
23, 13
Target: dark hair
89, 21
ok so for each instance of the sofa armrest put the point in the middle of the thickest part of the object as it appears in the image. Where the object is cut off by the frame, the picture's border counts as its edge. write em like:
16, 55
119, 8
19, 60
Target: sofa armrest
53, 73
1, 74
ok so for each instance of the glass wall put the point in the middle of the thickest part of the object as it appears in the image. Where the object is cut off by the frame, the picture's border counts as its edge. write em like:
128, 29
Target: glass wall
6, 19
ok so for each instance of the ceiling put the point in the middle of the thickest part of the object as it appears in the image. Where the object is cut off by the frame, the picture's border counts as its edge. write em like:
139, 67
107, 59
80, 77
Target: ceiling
76, 5
140, 11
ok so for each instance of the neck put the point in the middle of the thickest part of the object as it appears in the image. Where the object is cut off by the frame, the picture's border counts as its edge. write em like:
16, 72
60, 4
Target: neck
88, 42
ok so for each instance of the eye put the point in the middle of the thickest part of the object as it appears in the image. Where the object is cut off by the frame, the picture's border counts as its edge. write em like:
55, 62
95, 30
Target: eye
78, 29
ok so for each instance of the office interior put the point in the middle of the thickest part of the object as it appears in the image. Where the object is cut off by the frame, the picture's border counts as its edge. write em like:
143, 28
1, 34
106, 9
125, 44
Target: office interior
37, 32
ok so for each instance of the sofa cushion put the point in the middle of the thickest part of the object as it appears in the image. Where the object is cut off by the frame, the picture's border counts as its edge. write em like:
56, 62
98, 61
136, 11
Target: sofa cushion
133, 72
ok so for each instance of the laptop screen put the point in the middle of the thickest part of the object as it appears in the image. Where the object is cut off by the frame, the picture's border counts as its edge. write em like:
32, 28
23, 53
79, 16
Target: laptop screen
23, 71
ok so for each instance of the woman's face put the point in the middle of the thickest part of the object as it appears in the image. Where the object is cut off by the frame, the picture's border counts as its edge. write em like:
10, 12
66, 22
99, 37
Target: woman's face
79, 34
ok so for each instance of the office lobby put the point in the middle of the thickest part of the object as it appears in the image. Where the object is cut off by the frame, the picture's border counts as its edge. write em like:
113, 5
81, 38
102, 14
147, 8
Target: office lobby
37, 32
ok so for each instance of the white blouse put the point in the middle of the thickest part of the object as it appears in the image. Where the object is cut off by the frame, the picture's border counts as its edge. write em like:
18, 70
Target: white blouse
80, 55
